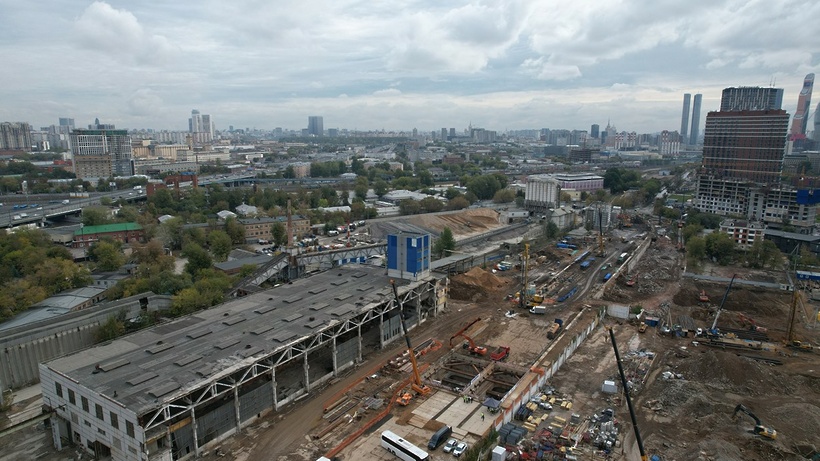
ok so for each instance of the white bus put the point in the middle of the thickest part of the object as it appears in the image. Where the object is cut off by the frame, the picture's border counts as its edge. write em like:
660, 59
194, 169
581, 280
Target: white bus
403, 449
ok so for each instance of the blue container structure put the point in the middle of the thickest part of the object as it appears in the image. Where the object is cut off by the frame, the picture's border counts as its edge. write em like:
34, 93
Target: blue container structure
408, 255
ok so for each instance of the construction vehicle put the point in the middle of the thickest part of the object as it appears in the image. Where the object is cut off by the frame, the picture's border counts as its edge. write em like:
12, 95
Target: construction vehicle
794, 344
554, 329
417, 385
714, 331
703, 297
746, 320
759, 428
500, 353
469, 344
631, 281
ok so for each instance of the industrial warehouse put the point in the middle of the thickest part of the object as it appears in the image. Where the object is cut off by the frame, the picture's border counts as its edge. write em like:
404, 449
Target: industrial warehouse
168, 391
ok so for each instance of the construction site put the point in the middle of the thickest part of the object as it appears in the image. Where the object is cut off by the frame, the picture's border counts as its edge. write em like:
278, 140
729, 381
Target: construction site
717, 363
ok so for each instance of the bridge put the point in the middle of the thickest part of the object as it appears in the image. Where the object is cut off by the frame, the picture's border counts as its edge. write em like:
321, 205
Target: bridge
10, 217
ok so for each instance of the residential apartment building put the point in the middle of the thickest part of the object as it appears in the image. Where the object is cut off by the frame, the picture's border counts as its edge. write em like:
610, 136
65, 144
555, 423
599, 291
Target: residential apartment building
774, 206
743, 233
101, 153
15, 136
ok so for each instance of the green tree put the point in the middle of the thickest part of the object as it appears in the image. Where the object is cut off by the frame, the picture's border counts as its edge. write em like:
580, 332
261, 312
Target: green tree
409, 206
111, 329
235, 230
220, 244
431, 205
691, 230
171, 233
504, 196
198, 259
93, 216
445, 244
762, 254
107, 255
551, 230
279, 233
720, 247
458, 203
380, 187
695, 250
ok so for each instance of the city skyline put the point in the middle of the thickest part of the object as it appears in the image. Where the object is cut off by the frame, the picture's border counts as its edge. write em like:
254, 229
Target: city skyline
395, 67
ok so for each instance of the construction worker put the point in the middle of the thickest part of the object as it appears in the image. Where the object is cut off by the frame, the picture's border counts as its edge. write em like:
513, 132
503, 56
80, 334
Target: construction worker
482, 416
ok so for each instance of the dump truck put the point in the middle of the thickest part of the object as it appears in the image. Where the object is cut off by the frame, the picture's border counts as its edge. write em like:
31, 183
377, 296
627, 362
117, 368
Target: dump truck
500, 353
555, 328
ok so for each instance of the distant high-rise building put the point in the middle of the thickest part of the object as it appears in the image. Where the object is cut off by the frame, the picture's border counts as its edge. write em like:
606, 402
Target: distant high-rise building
595, 130
101, 153
801, 115
444, 134
817, 123
65, 121
201, 127
316, 126
751, 98
452, 133
745, 144
695, 131
15, 136
684, 118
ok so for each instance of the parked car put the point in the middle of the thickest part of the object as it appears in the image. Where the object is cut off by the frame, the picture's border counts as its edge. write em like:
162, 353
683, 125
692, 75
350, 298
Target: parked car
459, 449
448, 447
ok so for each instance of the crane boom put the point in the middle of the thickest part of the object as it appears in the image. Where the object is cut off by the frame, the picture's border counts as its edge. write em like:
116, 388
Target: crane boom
474, 349
417, 385
641, 449
722, 302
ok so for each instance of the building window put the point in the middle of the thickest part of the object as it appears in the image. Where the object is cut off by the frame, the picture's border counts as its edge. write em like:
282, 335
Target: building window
129, 429
71, 397
114, 421
98, 410
59, 388
85, 403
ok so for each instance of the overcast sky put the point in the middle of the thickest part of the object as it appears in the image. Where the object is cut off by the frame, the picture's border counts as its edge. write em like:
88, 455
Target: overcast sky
397, 65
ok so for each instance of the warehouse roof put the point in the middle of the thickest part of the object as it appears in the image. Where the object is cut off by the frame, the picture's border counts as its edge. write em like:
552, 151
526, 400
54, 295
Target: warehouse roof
159, 363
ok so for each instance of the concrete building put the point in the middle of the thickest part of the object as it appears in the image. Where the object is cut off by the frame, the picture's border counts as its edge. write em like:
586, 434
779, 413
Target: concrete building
15, 136
316, 126
200, 128
743, 233
694, 133
581, 155
751, 98
580, 181
101, 153
684, 118
542, 193
408, 255
745, 144
775, 206
121, 232
801, 115
669, 143
262, 227
171, 391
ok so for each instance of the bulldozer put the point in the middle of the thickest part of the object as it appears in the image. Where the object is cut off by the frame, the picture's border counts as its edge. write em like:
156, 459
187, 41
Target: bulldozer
759, 428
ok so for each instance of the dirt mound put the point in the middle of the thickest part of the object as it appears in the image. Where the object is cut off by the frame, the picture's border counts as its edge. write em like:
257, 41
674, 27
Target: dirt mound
475, 285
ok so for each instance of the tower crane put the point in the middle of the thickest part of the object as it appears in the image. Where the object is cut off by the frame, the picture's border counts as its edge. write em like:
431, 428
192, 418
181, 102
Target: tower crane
417, 385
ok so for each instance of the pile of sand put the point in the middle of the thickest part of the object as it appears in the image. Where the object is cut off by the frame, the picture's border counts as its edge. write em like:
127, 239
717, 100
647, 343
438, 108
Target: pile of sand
474, 285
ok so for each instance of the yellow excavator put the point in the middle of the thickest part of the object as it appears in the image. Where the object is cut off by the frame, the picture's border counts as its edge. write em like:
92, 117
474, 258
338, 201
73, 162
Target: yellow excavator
759, 429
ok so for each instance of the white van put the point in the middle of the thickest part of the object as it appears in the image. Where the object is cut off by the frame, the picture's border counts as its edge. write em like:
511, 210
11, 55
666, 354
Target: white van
332, 233
538, 310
